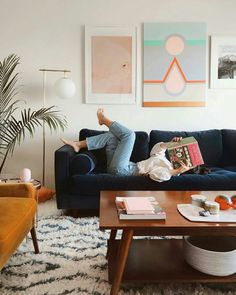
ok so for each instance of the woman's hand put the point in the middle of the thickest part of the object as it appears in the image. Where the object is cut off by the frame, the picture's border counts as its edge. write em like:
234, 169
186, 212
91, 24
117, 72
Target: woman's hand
176, 139
183, 167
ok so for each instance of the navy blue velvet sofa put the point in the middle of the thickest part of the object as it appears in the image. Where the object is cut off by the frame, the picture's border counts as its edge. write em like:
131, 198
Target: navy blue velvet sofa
79, 177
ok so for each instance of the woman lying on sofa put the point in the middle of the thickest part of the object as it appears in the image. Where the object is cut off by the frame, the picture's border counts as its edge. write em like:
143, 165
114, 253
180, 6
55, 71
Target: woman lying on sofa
119, 142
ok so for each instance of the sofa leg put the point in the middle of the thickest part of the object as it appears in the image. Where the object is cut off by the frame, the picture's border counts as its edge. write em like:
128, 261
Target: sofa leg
73, 213
76, 213
34, 238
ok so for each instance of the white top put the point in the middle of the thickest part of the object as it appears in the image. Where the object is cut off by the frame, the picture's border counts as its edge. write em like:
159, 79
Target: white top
157, 166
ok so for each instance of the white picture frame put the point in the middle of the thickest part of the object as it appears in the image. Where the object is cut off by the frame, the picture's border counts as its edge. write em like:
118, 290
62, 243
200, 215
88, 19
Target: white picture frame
110, 64
223, 62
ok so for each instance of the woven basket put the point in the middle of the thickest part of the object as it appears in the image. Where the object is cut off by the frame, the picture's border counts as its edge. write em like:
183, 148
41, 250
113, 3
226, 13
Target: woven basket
211, 255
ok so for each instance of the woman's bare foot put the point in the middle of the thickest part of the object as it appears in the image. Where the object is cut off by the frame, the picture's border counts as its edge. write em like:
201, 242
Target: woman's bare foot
100, 115
102, 119
74, 144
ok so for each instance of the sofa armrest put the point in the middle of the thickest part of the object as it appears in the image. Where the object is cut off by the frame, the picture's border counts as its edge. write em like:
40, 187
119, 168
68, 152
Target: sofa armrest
63, 158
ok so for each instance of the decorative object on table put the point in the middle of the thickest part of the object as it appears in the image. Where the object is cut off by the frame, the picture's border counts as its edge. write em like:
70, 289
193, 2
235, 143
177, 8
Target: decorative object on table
204, 213
145, 208
198, 200
191, 212
65, 89
110, 64
223, 62
226, 202
212, 207
12, 129
187, 151
174, 64
25, 175
233, 199
211, 255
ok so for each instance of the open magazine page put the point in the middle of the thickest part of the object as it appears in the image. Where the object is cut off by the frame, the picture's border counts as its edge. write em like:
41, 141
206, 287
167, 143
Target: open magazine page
187, 151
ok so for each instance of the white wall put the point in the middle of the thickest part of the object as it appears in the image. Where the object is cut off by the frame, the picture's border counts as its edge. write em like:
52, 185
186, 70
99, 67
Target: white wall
50, 34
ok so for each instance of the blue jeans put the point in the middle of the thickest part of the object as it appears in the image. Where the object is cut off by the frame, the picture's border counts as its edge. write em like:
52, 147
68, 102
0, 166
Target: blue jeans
119, 143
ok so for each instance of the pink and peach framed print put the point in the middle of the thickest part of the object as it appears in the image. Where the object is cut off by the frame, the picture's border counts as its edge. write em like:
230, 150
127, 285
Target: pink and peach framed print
174, 64
110, 64
223, 62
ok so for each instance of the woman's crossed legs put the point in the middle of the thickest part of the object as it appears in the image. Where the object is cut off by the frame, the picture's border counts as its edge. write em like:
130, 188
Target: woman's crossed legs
118, 141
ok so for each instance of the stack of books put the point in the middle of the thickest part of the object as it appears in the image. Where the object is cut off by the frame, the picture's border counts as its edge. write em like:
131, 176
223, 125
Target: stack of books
139, 208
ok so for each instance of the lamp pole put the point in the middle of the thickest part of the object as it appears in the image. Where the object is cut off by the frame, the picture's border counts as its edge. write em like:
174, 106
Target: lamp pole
44, 106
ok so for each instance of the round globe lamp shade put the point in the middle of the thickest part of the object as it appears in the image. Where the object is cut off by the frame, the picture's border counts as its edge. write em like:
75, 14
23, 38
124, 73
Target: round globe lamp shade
65, 88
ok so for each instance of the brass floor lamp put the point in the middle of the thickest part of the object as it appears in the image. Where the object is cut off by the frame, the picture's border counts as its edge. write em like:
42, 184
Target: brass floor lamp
64, 88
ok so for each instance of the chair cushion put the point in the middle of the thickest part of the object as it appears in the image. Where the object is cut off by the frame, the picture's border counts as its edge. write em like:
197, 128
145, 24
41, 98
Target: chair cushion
16, 220
210, 143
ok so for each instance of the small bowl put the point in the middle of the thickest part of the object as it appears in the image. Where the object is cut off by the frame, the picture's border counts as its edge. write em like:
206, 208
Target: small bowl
211, 255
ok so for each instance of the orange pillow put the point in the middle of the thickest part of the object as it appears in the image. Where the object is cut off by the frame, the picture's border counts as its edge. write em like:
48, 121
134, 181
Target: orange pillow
45, 194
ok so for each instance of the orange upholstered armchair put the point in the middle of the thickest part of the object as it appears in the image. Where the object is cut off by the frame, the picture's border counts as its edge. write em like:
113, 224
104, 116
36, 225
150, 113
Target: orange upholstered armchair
17, 214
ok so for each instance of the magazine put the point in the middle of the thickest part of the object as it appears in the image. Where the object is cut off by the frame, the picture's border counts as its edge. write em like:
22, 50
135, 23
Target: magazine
187, 151
157, 213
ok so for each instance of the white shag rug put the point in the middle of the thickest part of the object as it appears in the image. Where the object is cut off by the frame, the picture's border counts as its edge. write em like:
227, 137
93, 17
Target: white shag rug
72, 261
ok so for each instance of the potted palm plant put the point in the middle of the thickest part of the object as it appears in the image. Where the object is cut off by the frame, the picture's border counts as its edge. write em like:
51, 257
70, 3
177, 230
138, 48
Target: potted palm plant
14, 125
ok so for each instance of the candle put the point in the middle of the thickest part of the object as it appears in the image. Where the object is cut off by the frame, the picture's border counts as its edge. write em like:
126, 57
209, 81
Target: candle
212, 207
25, 175
198, 200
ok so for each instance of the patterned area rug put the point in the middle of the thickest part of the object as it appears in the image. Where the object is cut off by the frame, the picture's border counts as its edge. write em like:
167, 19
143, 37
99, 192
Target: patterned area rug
72, 261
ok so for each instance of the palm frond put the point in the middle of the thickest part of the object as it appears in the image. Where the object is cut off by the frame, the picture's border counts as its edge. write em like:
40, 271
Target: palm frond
14, 131
8, 85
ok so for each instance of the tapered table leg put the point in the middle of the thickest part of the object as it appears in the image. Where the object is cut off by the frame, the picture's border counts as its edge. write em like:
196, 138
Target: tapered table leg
125, 242
111, 239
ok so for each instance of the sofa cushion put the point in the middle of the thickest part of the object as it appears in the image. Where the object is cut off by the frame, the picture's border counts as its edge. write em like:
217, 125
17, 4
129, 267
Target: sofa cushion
82, 163
216, 180
210, 143
140, 150
229, 147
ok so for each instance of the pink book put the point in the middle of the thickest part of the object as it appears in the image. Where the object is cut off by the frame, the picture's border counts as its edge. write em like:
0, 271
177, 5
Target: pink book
136, 205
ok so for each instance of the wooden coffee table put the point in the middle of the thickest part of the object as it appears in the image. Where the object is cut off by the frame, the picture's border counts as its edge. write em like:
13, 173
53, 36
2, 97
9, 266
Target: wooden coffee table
155, 260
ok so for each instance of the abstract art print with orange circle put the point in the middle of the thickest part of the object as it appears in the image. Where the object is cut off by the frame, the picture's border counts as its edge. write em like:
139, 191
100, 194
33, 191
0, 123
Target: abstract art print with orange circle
174, 64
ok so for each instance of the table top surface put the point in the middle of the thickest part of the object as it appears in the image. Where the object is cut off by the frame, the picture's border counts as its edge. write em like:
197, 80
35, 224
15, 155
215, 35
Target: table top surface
168, 200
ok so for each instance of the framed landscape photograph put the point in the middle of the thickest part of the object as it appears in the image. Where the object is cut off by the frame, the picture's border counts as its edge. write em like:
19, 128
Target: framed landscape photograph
223, 62
110, 64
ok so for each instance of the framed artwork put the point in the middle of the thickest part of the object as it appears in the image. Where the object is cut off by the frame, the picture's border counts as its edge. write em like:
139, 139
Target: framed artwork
223, 62
174, 60
110, 64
